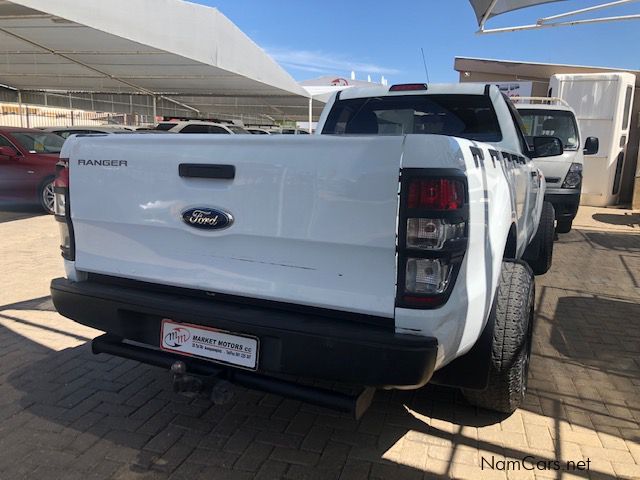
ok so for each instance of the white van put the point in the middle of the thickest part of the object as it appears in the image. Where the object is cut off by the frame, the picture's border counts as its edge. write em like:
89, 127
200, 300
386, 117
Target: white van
553, 117
602, 103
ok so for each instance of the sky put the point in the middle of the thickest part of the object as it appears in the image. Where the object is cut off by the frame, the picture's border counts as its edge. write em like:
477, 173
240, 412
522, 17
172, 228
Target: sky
311, 38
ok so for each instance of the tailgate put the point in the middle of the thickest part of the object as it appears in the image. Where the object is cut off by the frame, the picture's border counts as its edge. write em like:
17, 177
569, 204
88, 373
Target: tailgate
314, 218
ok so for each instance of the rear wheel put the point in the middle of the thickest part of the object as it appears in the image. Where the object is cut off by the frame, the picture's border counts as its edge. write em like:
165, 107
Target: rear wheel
540, 261
46, 195
511, 343
564, 226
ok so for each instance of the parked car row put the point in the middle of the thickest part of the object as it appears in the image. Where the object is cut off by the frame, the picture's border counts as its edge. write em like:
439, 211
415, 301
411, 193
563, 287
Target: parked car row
28, 157
28, 160
199, 126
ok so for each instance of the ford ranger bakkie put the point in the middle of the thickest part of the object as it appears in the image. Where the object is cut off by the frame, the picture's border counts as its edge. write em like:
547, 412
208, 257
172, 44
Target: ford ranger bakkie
395, 247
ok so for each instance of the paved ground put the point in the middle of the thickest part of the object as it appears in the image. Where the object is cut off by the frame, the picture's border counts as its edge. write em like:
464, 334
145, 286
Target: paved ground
65, 413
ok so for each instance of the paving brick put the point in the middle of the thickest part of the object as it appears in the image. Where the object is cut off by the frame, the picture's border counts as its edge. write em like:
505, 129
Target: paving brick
279, 439
293, 456
272, 470
240, 440
172, 458
316, 439
187, 471
356, 470
164, 440
217, 458
129, 439
253, 457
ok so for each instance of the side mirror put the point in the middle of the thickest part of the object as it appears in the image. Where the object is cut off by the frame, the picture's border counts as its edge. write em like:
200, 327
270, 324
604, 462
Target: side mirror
8, 151
591, 146
547, 147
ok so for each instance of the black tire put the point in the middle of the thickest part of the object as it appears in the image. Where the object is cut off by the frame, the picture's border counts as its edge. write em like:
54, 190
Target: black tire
511, 343
45, 194
540, 261
564, 226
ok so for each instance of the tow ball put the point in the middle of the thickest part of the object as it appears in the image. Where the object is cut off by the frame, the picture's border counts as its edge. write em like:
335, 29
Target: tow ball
218, 390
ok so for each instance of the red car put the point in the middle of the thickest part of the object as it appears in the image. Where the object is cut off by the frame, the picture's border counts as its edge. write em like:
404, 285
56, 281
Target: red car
28, 160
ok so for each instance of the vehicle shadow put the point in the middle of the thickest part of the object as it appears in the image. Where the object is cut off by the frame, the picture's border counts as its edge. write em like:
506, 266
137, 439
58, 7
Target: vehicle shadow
627, 219
607, 241
10, 212
117, 418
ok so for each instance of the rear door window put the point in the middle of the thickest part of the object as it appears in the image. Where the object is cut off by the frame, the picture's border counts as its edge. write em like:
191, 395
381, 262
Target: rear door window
195, 128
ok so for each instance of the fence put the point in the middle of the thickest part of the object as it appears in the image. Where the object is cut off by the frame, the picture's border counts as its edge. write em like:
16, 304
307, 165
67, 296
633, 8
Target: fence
32, 116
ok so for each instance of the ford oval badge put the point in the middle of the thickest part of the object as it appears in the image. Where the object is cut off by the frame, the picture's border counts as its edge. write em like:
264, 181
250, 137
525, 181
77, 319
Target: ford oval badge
207, 218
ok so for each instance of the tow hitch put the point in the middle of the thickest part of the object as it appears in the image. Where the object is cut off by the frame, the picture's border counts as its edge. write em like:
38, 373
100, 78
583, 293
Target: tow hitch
194, 376
219, 390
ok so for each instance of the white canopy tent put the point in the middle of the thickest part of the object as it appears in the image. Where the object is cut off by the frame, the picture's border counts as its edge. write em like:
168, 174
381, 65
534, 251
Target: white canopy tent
174, 51
486, 9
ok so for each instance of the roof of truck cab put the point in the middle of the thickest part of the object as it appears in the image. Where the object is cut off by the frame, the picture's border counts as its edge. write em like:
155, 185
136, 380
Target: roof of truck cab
432, 89
539, 106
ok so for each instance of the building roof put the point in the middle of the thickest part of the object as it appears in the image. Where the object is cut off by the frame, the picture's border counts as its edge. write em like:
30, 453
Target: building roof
162, 47
529, 70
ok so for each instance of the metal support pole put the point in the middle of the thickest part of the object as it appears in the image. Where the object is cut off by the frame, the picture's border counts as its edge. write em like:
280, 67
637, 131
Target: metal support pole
155, 108
538, 26
585, 10
20, 107
310, 113
487, 14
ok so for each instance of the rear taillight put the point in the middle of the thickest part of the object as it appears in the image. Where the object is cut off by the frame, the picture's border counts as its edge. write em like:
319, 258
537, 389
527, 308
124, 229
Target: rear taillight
432, 236
61, 209
436, 194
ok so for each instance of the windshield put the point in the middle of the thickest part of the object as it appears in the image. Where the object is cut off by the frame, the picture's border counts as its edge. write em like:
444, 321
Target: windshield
551, 123
467, 116
39, 142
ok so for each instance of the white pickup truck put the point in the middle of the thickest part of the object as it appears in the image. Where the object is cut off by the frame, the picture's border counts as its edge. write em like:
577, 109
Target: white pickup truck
393, 248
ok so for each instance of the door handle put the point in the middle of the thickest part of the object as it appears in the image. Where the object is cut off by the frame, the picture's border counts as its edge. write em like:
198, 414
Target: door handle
206, 170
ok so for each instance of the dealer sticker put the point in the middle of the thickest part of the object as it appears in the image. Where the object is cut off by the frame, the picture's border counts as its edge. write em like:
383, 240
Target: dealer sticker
209, 343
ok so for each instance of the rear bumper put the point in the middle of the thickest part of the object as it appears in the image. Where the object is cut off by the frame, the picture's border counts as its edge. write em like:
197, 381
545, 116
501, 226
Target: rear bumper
301, 344
565, 204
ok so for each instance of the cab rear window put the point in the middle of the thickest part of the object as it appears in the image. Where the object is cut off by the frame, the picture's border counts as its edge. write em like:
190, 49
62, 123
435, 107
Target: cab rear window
466, 116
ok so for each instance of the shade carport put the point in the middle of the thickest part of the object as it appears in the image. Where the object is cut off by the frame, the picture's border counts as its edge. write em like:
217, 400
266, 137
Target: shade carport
183, 55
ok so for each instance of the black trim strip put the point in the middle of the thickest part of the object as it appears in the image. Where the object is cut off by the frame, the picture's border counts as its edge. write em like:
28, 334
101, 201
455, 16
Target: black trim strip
478, 156
494, 156
206, 170
226, 298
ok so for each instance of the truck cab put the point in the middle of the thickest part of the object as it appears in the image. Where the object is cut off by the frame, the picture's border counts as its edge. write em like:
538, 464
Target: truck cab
544, 116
